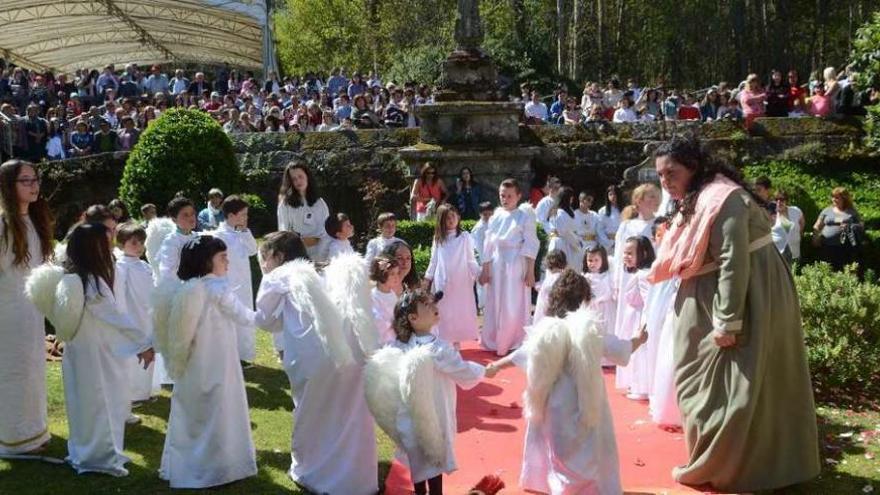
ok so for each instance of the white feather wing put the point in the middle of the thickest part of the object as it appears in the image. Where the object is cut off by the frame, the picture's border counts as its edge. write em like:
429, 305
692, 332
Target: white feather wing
417, 388
157, 231
585, 363
348, 284
547, 348
382, 389
59, 297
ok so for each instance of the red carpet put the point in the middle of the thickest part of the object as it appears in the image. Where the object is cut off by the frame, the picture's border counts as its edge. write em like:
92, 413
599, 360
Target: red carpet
491, 428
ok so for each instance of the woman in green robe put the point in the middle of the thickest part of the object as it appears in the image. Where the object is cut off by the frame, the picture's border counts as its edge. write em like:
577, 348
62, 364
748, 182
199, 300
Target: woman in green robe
741, 372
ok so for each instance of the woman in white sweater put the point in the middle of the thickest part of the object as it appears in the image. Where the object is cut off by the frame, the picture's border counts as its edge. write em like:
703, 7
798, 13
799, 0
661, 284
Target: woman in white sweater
302, 210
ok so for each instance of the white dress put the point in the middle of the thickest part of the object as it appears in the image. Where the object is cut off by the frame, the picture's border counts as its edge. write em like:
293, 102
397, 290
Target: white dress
542, 212
550, 278
133, 285
559, 457
510, 238
565, 239
168, 260
610, 223
636, 376
240, 246
603, 301
383, 313
453, 269
377, 245
23, 408
209, 430
590, 231
659, 317
451, 370
333, 446
335, 247
97, 384
307, 221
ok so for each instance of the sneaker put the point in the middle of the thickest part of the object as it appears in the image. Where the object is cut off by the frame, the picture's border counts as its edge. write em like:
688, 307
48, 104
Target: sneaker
134, 419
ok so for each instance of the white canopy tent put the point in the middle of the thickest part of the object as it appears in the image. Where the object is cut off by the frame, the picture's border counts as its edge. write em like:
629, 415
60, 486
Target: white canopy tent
66, 35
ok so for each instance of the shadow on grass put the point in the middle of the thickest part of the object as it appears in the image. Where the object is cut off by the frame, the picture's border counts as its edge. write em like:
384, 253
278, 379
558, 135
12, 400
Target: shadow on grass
267, 389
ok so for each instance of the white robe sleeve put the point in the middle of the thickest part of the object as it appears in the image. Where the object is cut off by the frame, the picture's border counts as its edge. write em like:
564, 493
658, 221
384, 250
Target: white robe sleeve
271, 298
120, 286
530, 245
616, 350
249, 242
230, 306
134, 340
466, 374
284, 222
432, 265
601, 235
637, 290
169, 260
473, 265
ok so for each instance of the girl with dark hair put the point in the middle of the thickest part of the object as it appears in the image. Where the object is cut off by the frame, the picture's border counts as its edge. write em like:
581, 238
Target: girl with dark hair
569, 441
99, 340
333, 449
195, 329
778, 93
302, 210
25, 242
736, 315
637, 256
563, 236
452, 271
468, 194
596, 271
402, 252
610, 214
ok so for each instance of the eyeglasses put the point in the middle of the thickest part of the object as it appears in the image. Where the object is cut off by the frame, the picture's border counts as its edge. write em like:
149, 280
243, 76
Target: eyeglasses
29, 182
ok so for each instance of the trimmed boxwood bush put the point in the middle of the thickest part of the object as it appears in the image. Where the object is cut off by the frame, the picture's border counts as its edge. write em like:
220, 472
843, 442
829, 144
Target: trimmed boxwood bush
841, 319
182, 151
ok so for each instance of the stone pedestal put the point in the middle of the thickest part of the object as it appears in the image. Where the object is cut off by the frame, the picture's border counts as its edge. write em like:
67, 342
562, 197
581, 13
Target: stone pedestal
482, 124
490, 166
467, 75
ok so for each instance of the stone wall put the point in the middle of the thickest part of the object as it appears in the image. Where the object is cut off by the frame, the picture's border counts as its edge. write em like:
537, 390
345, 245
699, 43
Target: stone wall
362, 173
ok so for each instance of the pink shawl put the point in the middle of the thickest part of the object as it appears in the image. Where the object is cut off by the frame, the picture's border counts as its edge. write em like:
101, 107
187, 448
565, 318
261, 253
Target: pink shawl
684, 246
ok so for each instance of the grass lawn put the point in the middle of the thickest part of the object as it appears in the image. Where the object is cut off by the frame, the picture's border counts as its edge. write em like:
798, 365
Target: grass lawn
850, 441
270, 406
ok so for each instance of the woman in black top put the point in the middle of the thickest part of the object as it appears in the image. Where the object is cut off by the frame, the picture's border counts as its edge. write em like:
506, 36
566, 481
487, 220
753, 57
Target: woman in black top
777, 95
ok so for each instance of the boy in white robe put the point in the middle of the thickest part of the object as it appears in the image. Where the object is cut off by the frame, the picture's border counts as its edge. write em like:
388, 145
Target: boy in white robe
588, 225
509, 254
241, 246
387, 228
340, 230
182, 212
478, 234
570, 446
132, 288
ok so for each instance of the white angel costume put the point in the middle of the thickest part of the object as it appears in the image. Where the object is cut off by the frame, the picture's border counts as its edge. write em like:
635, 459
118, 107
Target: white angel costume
209, 431
511, 238
550, 278
569, 446
337, 246
564, 238
610, 217
24, 423
133, 287
453, 269
590, 231
327, 335
383, 312
99, 341
636, 376
377, 245
240, 246
603, 301
410, 389
659, 317
307, 221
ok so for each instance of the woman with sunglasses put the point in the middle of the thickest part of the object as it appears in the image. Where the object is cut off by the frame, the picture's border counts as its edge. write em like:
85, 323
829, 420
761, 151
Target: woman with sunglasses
427, 189
25, 243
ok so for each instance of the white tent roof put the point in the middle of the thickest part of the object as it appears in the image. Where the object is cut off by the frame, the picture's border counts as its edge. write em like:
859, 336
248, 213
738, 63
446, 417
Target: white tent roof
72, 34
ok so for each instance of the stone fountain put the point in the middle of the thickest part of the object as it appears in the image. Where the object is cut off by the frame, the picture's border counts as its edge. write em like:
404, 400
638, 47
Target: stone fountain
468, 125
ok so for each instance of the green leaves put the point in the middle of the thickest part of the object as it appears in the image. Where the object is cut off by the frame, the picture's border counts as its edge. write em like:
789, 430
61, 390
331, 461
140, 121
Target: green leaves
182, 151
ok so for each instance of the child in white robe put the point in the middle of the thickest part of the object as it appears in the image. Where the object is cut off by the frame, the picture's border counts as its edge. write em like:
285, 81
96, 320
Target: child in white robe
387, 228
208, 442
452, 271
170, 238
569, 442
554, 264
478, 234
659, 319
99, 341
133, 286
385, 273
411, 391
333, 445
588, 224
638, 255
563, 237
340, 230
638, 220
509, 251
240, 246
603, 301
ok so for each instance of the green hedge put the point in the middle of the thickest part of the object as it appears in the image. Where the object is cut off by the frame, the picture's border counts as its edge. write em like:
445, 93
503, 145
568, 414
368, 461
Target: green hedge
841, 319
182, 151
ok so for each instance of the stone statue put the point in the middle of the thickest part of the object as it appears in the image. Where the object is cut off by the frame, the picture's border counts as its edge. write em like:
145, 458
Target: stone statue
468, 27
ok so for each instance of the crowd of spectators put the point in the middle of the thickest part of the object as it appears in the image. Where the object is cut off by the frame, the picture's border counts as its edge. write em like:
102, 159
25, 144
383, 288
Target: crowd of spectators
53, 116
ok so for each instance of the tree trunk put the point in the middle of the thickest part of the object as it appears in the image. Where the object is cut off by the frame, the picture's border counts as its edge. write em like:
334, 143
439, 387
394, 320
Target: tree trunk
576, 33
561, 27
600, 38
519, 15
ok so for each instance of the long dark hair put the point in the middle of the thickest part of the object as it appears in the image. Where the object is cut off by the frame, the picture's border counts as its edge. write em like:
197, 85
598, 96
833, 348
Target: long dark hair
288, 244
412, 279
569, 292
13, 224
644, 253
290, 195
196, 256
690, 154
608, 204
89, 256
563, 200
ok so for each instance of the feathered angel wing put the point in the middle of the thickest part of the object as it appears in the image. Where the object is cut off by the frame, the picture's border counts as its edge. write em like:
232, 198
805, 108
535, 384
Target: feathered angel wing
547, 348
157, 231
348, 284
382, 389
417, 389
176, 315
307, 294
59, 297
585, 363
